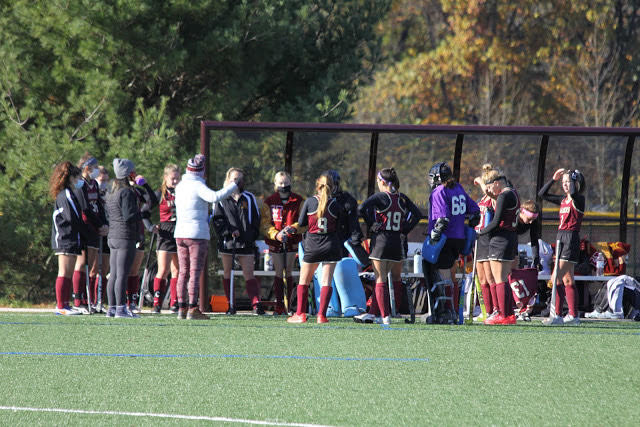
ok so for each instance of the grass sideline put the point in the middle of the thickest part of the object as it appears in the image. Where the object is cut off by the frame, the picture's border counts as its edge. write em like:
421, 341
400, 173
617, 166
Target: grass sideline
261, 368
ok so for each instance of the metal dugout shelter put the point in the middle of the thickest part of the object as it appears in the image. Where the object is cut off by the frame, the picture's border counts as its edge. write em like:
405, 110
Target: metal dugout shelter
543, 135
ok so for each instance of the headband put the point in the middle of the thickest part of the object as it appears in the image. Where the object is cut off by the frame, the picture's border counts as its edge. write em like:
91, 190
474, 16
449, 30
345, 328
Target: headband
497, 178
529, 214
382, 179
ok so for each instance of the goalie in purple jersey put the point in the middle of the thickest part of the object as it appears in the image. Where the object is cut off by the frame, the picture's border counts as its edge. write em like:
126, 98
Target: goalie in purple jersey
449, 207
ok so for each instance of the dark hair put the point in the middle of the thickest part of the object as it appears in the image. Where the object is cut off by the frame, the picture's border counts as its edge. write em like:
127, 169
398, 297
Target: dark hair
120, 183
62, 174
391, 177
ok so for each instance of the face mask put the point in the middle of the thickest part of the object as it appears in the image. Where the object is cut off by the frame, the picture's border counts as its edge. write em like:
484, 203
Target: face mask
94, 174
285, 190
79, 183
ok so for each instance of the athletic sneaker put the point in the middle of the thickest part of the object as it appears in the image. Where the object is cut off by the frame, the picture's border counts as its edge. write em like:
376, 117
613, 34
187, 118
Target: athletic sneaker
182, 313
134, 308
595, 314
570, 320
279, 310
173, 309
111, 312
258, 310
156, 309
64, 311
196, 314
611, 315
125, 313
364, 318
386, 320
507, 320
321, 319
553, 321
495, 319
298, 318
81, 309
524, 316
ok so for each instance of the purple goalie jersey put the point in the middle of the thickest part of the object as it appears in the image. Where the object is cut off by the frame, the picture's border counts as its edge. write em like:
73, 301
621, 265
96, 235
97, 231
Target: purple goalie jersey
453, 203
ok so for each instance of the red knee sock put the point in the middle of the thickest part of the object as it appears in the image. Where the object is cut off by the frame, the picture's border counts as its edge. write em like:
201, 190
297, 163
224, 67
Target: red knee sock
502, 300
486, 297
456, 295
303, 294
253, 290
60, 292
560, 296
325, 297
278, 290
509, 301
398, 294
494, 297
572, 299
173, 292
158, 288
382, 295
77, 281
68, 290
92, 293
374, 308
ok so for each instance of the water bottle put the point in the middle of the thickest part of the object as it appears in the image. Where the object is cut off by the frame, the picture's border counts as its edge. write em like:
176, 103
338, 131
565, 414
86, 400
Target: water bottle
600, 264
268, 264
417, 263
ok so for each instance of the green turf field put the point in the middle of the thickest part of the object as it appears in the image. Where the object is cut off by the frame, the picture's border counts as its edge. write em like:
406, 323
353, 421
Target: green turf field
261, 369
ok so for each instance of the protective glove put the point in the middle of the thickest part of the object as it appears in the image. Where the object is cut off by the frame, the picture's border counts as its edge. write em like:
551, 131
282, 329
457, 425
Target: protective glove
439, 227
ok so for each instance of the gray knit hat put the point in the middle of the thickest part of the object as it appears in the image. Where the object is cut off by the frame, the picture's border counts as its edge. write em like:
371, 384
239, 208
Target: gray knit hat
122, 167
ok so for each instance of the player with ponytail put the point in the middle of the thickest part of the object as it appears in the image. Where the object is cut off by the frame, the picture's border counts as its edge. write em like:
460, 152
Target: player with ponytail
321, 213
388, 214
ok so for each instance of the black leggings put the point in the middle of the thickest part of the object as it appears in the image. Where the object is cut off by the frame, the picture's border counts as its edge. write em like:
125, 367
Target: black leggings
122, 254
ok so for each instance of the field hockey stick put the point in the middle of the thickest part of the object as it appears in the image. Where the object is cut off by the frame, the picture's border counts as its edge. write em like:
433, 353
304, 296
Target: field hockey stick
392, 295
552, 308
286, 286
412, 308
461, 293
472, 295
232, 309
99, 290
145, 275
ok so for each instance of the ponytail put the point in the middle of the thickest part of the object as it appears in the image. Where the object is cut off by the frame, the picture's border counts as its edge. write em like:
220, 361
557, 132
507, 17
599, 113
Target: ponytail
324, 189
390, 177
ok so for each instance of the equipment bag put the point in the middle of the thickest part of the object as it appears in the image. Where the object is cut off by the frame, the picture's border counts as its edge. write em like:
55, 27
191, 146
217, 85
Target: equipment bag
431, 250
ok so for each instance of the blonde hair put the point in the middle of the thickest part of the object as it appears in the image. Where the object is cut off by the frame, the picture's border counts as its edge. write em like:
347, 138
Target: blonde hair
490, 174
170, 168
324, 188
281, 174
232, 170
530, 205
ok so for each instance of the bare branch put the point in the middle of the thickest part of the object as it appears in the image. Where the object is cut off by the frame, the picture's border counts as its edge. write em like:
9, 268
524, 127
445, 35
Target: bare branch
86, 120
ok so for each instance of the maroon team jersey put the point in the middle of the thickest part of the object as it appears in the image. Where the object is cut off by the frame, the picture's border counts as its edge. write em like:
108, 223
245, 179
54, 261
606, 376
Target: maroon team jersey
570, 216
168, 206
391, 217
509, 220
327, 223
484, 204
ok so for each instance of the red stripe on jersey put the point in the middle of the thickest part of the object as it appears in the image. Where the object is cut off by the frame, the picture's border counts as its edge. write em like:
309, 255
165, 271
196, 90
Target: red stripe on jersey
570, 216
168, 206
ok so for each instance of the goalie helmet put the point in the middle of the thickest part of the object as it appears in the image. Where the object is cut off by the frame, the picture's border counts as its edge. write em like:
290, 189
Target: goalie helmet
578, 180
439, 173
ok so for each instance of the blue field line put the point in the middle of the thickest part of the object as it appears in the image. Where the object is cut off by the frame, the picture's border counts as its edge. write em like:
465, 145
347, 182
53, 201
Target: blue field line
573, 330
219, 356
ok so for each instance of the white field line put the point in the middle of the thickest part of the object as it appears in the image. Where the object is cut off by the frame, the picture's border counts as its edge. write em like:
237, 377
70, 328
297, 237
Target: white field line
150, 414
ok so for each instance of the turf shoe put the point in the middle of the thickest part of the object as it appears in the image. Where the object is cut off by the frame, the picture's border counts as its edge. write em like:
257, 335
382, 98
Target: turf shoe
321, 319
122, 312
81, 309
495, 319
553, 321
195, 314
111, 312
570, 320
258, 310
173, 309
508, 320
364, 318
595, 314
297, 318
156, 309
386, 320
66, 311
182, 313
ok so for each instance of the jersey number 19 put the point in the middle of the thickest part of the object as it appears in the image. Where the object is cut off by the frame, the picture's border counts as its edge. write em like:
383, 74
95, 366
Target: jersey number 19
393, 221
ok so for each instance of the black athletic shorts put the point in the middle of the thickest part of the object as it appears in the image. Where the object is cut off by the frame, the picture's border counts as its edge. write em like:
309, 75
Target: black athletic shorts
321, 248
386, 246
105, 245
503, 245
69, 250
482, 253
93, 241
248, 249
449, 253
570, 245
166, 241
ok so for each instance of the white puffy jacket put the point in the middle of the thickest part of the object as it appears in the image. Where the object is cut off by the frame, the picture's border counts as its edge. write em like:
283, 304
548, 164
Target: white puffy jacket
192, 199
